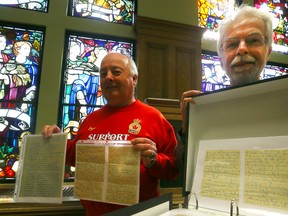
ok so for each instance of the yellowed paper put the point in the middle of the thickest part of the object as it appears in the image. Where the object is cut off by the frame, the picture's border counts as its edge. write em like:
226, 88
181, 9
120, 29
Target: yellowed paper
223, 168
266, 178
254, 171
107, 171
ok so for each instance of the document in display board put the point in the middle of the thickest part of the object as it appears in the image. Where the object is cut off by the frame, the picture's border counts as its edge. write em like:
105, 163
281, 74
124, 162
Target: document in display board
107, 171
40, 173
253, 171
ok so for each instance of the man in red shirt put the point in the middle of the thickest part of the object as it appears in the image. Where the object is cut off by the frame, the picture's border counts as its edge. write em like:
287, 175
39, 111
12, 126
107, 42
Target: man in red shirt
126, 118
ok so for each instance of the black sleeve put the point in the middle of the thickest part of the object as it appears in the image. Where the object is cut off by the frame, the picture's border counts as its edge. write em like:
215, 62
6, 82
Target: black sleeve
179, 150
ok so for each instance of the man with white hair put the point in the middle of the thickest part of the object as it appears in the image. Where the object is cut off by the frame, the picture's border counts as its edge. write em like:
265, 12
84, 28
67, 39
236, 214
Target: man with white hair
244, 47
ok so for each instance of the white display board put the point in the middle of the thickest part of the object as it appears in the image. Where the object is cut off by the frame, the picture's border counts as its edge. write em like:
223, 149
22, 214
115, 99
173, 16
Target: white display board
252, 111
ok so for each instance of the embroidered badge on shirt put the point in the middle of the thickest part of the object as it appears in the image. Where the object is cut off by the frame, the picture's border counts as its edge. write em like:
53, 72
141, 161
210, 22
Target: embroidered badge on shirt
91, 128
135, 127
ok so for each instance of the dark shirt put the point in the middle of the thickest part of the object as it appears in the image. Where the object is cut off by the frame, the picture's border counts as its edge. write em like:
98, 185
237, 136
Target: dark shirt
179, 150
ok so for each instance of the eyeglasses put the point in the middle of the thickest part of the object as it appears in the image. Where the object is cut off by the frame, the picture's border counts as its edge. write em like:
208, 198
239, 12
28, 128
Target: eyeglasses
251, 41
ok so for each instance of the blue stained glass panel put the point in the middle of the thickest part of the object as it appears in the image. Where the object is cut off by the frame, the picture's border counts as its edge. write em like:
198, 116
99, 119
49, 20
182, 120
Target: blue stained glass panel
36, 5
81, 84
214, 77
20, 66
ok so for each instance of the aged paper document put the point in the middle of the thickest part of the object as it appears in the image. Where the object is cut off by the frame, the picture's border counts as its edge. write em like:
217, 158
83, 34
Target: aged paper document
266, 178
253, 171
41, 169
107, 171
224, 168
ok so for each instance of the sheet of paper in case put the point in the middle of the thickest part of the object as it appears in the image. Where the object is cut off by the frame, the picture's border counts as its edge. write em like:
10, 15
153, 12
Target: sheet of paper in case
254, 171
107, 171
41, 168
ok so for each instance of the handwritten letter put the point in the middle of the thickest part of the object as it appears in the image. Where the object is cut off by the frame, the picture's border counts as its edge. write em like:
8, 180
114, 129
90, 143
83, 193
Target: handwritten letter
107, 171
221, 174
41, 169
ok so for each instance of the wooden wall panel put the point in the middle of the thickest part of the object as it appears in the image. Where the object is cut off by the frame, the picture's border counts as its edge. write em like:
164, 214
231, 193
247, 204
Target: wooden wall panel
155, 69
169, 58
188, 69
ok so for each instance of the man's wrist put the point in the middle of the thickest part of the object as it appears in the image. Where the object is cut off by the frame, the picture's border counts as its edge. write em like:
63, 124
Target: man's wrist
152, 161
181, 135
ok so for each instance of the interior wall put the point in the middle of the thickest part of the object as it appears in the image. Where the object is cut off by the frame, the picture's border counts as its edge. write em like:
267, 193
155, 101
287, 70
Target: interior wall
184, 11
56, 22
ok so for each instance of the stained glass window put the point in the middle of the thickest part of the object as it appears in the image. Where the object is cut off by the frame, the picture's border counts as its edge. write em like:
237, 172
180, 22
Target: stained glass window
279, 11
81, 93
214, 77
273, 70
120, 11
20, 66
211, 12
37, 5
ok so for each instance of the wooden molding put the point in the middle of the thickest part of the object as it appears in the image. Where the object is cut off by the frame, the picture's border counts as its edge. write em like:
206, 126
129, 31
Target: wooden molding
168, 30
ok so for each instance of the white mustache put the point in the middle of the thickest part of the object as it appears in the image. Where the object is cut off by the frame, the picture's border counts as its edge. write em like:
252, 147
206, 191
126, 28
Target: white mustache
244, 58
